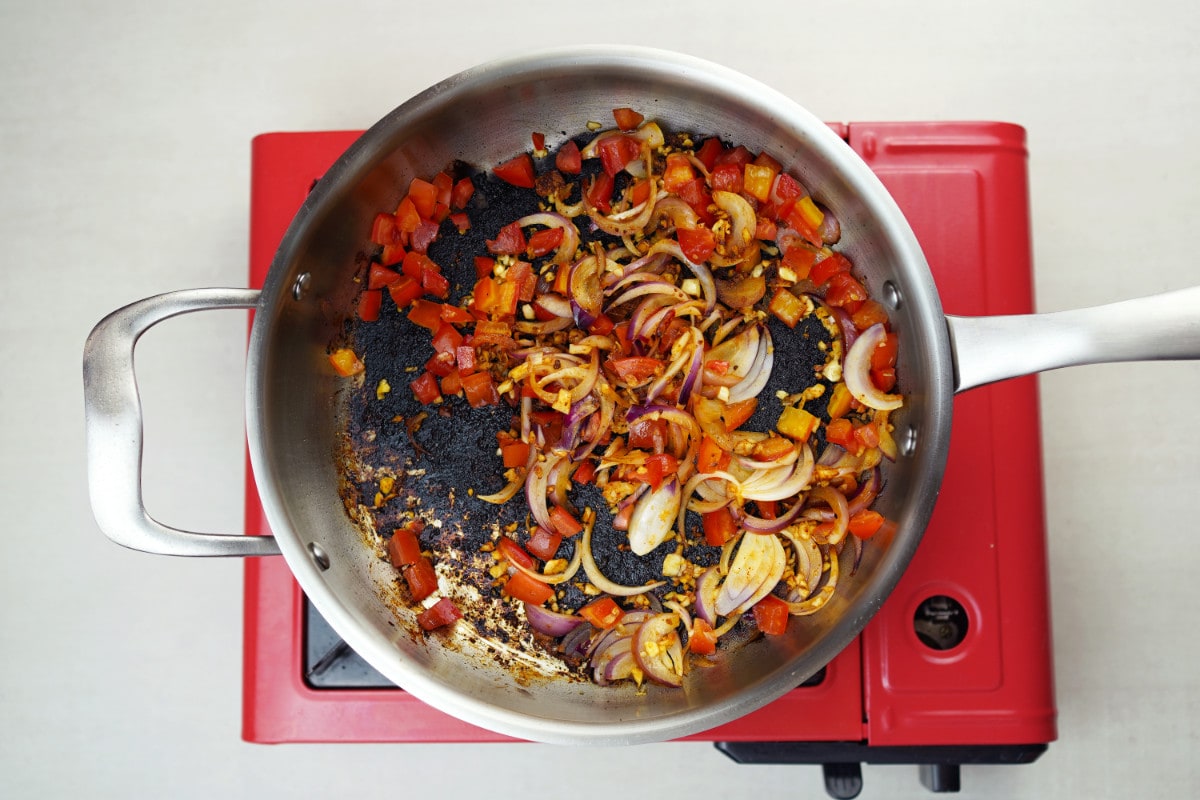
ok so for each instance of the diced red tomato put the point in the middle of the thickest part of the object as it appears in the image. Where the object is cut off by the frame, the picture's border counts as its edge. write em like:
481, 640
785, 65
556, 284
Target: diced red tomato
564, 522
585, 472
602, 613
765, 229
866, 523
884, 378
569, 159
841, 433
517, 171
635, 369
427, 314
421, 578
696, 243
407, 217
452, 383
659, 467
711, 457
405, 291
703, 640
442, 613
738, 156
786, 307
767, 509
885, 352
678, 171
726, 178
424, 196
435, 283
599, 192
695, 193
800, 261
380, 277
369, 303
510, 240
526, 589
719, 526
602, 325
627, 119
424, 235
736, 414
440, 364
384, 230
771, 614
539, 141
708, 152
464, 356
845, 292
345, 362
461, 194
484, 266
513, 552
827, 267
514, 454
480, 390
392, 254
616, 152
757, 180
543, 543
867, 435
425, 388
404, 547
446, 339
647, 434
455, 315
543, 241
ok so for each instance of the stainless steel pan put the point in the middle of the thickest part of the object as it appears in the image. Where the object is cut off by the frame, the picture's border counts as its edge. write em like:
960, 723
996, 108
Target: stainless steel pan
484, 115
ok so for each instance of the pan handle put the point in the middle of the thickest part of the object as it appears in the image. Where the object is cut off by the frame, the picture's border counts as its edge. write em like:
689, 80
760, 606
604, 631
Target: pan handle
113, 417
1162, 327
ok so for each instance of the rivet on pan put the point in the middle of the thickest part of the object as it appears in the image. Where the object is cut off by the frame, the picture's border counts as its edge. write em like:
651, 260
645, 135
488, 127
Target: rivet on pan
301, 286
908, 443
891, 294
318, 556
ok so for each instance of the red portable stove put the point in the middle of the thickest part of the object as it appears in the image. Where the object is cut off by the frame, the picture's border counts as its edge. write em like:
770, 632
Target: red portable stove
954, 669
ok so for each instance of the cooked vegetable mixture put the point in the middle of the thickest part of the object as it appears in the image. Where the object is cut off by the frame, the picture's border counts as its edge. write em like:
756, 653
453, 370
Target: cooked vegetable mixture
617, 329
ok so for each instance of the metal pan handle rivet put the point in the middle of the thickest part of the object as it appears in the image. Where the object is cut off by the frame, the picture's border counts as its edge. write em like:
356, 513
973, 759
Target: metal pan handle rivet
319, 556
908, 442
301, 286
891, 295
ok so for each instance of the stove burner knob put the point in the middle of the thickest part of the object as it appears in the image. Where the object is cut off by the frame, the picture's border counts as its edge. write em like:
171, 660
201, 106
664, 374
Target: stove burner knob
941, 622
843, 780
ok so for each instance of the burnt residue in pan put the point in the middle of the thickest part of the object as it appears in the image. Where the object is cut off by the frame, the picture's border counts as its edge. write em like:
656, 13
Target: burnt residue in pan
408, 460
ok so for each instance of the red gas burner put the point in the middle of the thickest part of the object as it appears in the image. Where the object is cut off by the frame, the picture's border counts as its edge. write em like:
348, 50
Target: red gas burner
954, 669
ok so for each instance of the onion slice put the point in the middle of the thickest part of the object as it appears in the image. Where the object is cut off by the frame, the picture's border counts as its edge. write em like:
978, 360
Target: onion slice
857, 371
597, 577
757, 566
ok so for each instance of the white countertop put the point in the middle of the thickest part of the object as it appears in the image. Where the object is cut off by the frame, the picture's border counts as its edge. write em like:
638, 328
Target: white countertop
124, 167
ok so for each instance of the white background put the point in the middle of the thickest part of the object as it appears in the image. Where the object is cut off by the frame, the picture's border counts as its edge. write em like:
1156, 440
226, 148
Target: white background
124, 158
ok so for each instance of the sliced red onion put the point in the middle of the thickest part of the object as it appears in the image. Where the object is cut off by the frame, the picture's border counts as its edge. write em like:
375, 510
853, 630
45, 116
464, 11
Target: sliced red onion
619, 667
866, 493
837, 503
739, 352
846, 325
857, 371
808, 563
574, 420
579, 642
676, 209
551, 623
708, 585
598, 578
654, 517
760, 370
762, 525
536, 484
584, 289
693, 381
757, 566
777, 487
744, 224
645, 288
556, 304
817, 600
703, 274
612, 649
658, 649
830, 230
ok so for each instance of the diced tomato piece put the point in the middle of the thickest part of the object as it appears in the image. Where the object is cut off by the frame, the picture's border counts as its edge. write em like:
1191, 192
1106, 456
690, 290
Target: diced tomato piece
392, 254
635, 369
602, 613
407, 217
798, 424
455, 315
678, 171
439, 615
405, 291
708, 152
426, 314
415, 264
404, 547
510, 240
440, 364
517, 171
380, 277
827, 267
369, 303
424, 196
528, 590
711, 457
696, 243
695, 193
599, 192
514, 454
765, 229
425, 388
464, 356
627, 119
602, 325
424, 235
445, 188
446, 339
480, 390
738, 156
639, 192
616, 152
845, 292
736, 414
767, 509
659, 467
564, 522
421, 578
884, 354
871, 312
543, 242
511, 551
841, 433
647, 434
703, 640
585, 472
539, 141
726, 178
866, 523
799, 218
787, 188
384, 230
786, 307
719, 526
435, 283
884, 378
452, 383
461, 194
800, 261
345, 362
867, 435
543, 543
771, 614
484, 266
569, 159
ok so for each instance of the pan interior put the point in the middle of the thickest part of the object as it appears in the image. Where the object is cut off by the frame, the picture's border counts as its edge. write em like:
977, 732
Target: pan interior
296, 405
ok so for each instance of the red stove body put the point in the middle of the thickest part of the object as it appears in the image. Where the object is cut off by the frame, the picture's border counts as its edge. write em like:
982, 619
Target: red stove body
956, 666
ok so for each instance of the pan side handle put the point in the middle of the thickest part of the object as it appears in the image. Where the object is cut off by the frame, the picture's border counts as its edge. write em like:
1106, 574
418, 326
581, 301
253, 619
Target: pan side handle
113, 418
1162, 327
